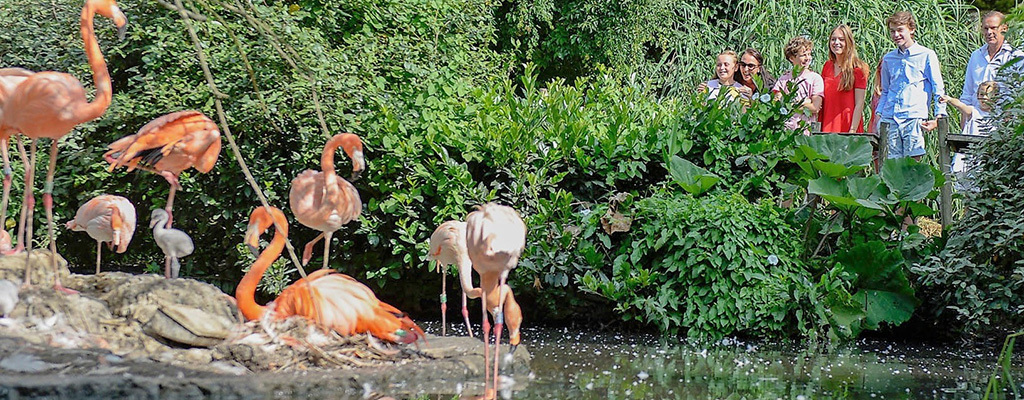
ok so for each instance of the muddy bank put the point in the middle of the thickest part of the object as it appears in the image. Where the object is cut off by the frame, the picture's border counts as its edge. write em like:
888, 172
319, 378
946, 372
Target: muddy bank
142, 336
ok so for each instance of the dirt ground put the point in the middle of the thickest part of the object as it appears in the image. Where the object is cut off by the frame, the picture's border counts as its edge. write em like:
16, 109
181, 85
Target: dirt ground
146, 337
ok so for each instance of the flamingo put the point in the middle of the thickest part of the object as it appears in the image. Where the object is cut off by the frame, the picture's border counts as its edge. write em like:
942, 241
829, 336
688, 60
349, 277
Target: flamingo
174, 243
323, 201
49, 105
330, 299
495, 238
447, 247
167, 146
106, 218
10, 78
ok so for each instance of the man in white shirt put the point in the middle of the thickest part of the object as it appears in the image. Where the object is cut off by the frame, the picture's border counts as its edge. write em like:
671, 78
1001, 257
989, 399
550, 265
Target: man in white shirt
986, 61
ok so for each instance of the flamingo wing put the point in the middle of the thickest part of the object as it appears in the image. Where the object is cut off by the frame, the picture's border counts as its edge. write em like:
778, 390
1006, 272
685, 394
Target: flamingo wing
317, 207
341, 303
125, 222
173, 142
447, 241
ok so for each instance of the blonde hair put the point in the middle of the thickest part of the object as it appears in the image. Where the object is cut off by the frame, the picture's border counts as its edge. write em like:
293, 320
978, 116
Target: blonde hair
847, 62
796, 46
730, 53
990, 88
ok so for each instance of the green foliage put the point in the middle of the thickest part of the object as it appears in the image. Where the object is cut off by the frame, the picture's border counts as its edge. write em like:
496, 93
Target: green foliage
708, 267
977, 280
693, 179
882, 290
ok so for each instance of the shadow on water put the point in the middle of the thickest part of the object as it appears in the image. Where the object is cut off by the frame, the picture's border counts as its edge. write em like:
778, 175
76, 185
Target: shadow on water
585, 365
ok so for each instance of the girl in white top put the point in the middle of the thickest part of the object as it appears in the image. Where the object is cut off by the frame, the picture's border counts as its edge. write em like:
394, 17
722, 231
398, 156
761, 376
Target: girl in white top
725, 70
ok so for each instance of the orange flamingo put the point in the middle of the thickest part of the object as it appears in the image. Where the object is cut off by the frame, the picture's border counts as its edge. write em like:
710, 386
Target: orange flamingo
447, 247
167, 146
495, 238
50, 104
330, 299
10, 78
106, 218
323, 201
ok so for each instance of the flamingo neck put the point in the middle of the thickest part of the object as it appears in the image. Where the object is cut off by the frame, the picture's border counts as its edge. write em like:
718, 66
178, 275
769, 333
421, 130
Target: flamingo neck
327, 158
466, 275
489, 284
245, 293
100, 76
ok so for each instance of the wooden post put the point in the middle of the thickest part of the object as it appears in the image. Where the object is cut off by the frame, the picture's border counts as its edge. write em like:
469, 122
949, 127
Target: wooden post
946, 193
883, 145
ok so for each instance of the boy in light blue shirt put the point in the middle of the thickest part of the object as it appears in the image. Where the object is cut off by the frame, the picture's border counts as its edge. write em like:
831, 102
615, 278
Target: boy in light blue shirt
910, 77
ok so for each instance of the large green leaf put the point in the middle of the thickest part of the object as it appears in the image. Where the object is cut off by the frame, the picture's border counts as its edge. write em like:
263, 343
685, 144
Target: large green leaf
907, 179
833, 155
882, 306
693, 179
883, 287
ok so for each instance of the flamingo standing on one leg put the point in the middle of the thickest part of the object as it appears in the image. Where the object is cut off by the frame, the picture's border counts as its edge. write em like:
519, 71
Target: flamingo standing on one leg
106, 218
50, 104
332, 300
495, 238
447, 247
10, 78
324, 201
168, 145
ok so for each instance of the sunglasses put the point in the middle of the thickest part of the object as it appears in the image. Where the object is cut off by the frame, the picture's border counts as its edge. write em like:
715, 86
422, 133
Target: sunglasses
745, 65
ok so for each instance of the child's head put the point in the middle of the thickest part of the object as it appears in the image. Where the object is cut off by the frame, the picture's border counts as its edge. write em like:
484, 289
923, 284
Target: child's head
987, 92
798, 51
750, 64
901, 28
725, 66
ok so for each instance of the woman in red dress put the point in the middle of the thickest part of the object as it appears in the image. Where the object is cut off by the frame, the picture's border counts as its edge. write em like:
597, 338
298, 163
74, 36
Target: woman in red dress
845, 77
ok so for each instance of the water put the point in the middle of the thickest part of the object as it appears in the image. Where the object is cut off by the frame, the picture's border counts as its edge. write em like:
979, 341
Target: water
587, 365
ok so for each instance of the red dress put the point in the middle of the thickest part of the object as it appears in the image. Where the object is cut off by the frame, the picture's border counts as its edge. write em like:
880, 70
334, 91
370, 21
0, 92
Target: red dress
837, 105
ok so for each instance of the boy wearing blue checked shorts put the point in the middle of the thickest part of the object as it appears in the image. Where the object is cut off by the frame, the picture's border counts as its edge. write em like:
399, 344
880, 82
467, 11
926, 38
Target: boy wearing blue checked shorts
910, 78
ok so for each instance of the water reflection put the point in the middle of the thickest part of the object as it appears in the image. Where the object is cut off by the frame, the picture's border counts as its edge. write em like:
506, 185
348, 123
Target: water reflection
567, 364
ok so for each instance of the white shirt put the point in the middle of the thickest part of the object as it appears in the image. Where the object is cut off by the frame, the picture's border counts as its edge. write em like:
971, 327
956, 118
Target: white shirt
978, 123
715, 87
981, 68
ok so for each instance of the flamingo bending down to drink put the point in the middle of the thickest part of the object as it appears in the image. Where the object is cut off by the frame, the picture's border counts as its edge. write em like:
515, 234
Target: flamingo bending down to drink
495, 238
329, 299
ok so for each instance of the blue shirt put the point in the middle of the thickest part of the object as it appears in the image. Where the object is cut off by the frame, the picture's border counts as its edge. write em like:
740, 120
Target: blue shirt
980, 68
909, 78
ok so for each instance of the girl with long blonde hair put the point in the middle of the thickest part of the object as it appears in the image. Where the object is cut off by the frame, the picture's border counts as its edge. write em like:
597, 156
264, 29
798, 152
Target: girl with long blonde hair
845, 77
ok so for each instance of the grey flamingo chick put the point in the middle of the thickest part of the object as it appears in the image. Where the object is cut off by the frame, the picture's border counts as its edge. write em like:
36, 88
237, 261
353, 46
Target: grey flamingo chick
8, 297
173, 242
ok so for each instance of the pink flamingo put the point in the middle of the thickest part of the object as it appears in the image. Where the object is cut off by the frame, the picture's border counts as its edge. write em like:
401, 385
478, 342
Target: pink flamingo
495, 238
10, 78
323, 201
106, 218
447, 247
51, 104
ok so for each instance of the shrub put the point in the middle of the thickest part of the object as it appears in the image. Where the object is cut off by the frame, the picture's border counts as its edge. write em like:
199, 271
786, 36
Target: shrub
708, 267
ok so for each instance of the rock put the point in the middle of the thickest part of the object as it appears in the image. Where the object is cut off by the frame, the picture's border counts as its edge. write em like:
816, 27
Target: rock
176, 311
13, 268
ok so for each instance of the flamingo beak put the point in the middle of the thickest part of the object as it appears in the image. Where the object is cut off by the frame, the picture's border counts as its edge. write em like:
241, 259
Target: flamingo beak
152, 222
120, 21
358, 165
252, 238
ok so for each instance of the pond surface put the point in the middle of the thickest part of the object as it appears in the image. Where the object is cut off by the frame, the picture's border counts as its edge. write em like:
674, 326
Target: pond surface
569, 364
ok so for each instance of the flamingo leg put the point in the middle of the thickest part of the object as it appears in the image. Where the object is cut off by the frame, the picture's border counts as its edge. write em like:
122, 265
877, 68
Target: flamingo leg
327, 248
487, 344
167, 267
307, 252
27, 205
24, 208
48, 206
499, 322
444, 299
99, 252
8, 175
465, 315
173, 181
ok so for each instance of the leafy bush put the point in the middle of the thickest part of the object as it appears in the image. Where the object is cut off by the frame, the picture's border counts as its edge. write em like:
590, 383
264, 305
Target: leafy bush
710, 267
977, 280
